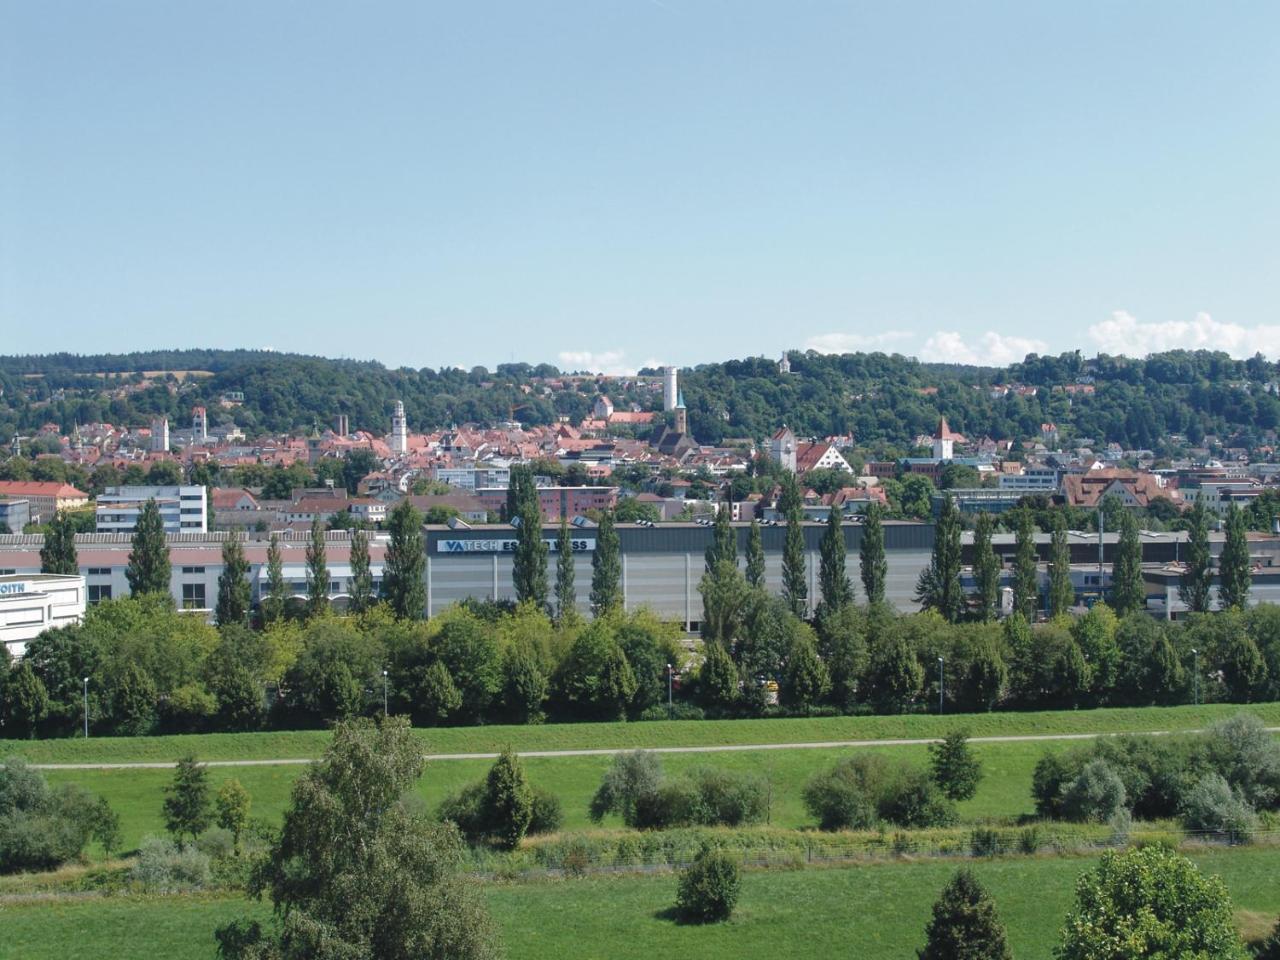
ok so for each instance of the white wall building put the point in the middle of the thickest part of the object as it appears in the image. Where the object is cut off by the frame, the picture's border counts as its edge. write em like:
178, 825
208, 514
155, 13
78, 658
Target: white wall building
183, 509
31, 603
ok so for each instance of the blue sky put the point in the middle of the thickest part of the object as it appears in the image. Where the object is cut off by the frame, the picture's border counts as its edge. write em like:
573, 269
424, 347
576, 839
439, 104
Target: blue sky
606, 184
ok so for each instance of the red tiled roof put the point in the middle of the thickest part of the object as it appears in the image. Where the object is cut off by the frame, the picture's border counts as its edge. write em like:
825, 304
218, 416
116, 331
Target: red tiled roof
41, 488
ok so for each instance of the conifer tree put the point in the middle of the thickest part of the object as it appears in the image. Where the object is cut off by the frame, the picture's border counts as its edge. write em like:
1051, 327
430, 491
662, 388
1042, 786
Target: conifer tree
148, 569
566, 595
755, 556
837, 591
1128, 591
872, 566
529, 560
965, 925
939, 585
986, 568
795, 587
404, 569
1026, 579
1234, 575
234, 593
606, 568
724, 542
360, 596
317, 571
1062, 595
58, 555
1197, 582
277, 596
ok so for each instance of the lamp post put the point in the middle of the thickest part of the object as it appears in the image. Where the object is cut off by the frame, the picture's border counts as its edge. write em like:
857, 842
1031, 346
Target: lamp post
1195, 676
86, 708
669, 710
384, 694
941, 681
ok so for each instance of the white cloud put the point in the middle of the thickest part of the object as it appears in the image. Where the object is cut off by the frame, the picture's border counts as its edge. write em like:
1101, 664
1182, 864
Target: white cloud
853, 342
612, 363
1125, 334
991, 349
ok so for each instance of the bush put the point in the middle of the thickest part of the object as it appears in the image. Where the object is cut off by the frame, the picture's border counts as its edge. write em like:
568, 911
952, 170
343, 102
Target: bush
1048, 782
1095, 796
1211, 806
479, 812
1269, 949
41, 829
465, 810
965, 925
708, 890
984, 842
1029, 841
547, 815
1248, 758
629, 777
705, 796
844, 797
165, 867
913, 799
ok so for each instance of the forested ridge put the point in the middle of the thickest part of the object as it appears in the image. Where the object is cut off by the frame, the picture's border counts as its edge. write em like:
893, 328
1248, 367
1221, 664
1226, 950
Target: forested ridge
883, 400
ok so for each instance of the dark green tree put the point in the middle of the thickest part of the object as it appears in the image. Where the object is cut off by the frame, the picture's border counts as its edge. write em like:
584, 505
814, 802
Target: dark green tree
965, 924
805, 681
726, 602
724, 542
956, 770
58, 555
755, 556
24, 702
1234, 566
529, 559
234, 593
1196, 587
837, 591
986, 569
1128, 590
1062, 595
317, 571
508, 800
188, 807
233, 805
894, 673
277, 596
606, 568
795, 585
566, 595
717, 677
360, 596
404, 585
872, 566
148, 569
1026, 579
939, 585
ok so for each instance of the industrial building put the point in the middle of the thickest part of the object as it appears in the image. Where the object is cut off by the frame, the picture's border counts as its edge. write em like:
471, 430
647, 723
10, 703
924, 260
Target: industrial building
31, 603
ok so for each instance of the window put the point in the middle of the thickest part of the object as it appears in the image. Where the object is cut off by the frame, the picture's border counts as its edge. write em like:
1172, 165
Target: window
193, 569
7, 571
193, 596
99, 571
99, 592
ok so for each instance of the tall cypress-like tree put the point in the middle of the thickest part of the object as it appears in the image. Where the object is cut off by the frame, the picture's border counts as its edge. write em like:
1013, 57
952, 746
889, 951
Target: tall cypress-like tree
317, 571
360, 596
871, 562
529, 560
1062, 595
404, 569
148, 570
755, 556
986, 568
1195, 589
277, 596
58, 555
521, 487
566, 595
724, 542
837, 591
1235, 569
606, 568
939, 585
1026, 579
1128, 591
234, 593
795, 586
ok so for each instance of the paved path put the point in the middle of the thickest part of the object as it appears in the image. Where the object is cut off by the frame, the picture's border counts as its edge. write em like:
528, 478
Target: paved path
611, 751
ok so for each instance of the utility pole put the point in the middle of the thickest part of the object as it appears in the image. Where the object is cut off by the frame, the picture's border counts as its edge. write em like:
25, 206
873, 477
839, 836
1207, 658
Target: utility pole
669, 710
941, 681
86, 708
384, 694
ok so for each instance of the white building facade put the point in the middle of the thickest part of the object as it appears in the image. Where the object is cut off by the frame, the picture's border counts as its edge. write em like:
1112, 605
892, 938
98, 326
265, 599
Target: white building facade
183, 509
31, 603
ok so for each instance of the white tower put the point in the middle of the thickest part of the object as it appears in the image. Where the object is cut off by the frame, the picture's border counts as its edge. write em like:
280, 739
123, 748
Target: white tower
670, 389
160, 435
399, 430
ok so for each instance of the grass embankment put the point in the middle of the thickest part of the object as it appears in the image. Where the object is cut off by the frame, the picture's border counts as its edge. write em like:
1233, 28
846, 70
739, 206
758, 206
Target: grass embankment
306, 744
874, 912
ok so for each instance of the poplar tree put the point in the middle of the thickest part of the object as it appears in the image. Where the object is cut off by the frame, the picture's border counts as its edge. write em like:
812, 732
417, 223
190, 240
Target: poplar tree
1026, 581
148, 570
871, 562
837, 591
986, 568
1235, 569
360, 596
566, 595
724, 543
1062, 595
277, 597
404, 569
606, 568
58, 555
1128, 591
234, 593
529, 561
755, 556
795, 588
1195, 588
939, 585
317, 571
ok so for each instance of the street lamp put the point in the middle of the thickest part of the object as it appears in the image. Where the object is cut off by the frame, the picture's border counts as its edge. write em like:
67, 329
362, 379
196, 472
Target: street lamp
941, 681
86, 708
1195, 676
669, 710
384, 694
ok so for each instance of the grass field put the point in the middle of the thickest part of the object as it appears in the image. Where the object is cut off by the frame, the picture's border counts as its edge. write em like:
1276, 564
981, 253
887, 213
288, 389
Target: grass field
1004, 793
306, 744
873, 912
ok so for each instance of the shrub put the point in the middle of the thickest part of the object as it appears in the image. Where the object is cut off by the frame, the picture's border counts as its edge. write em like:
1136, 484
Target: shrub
1269, 949
984, 842
729, 799
1029, 841
1212, 806
1095, 796
708, 889
41, 829
165, 867
956, 770
845, 797
965, 925
1053, 772
673, 804
465, 810
629, 777
547, 815
479, 810
1248, 758
912, 799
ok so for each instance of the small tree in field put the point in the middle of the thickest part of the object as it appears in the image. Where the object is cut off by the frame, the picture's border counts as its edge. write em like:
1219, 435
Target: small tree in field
965, 925
508, 800
187, 807
709, 887
956, 770
233, 809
